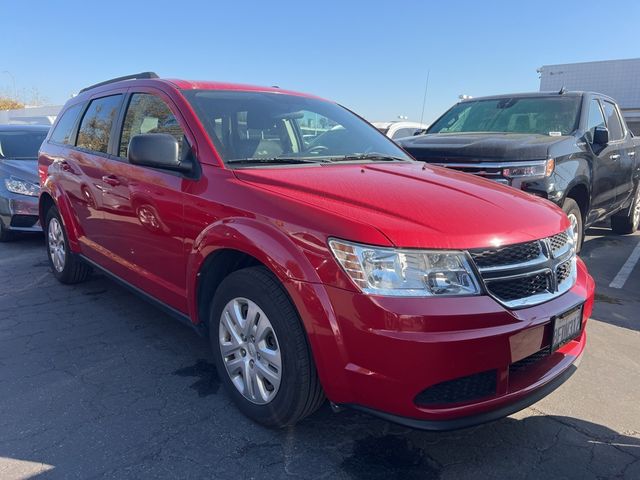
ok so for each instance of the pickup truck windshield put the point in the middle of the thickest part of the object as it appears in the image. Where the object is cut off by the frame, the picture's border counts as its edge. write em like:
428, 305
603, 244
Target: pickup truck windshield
261, 128
539, 115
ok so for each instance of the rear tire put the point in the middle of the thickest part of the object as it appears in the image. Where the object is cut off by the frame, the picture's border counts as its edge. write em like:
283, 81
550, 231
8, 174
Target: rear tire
571, 208
65, 265
298, 392
627, 221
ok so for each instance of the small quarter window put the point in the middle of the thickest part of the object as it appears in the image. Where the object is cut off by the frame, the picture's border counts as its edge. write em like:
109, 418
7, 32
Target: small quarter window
63, 131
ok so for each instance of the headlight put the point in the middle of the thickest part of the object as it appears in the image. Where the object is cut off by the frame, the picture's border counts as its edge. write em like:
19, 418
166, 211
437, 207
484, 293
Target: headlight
538, 169
22, 187
406, 273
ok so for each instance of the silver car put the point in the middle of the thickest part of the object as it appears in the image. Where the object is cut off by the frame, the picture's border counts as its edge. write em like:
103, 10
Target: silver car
19, 184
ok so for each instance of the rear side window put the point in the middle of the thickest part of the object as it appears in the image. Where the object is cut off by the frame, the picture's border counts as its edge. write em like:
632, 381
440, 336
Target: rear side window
64, 128
613, 121
95, 128
148, 114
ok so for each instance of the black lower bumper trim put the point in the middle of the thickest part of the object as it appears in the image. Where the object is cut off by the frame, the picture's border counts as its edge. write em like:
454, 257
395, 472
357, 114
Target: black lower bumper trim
470, 421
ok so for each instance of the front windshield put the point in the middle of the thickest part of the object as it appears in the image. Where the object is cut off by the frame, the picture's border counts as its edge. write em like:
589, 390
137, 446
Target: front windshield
20, 144
540, 115
266, 127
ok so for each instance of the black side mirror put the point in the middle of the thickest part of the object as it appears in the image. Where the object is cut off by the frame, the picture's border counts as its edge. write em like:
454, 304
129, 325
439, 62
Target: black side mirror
601, 136
158, 150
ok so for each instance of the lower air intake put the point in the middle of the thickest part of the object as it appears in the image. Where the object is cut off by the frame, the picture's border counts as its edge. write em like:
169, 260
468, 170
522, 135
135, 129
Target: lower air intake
460, 390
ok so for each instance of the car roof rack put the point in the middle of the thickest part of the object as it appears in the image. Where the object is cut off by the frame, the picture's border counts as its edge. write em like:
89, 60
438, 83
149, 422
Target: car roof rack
135, 76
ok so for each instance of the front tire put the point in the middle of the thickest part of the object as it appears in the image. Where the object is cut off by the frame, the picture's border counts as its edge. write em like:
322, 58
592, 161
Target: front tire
571, 208
628, 220
66, 266
261, 349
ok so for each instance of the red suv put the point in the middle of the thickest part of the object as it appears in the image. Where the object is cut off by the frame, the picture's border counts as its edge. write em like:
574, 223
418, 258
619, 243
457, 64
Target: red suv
317, 255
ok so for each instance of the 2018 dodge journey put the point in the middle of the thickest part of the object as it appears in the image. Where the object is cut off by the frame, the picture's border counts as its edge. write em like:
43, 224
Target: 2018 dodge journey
321, 260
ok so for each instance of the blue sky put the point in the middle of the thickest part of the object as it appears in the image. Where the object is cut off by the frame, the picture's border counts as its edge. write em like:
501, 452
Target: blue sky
368, 55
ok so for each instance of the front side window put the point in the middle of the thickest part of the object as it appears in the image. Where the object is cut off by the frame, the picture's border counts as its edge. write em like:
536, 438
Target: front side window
63, 131
613, 121
95, 128
20, 144
537, 115
596, 119
276, 127
148, 114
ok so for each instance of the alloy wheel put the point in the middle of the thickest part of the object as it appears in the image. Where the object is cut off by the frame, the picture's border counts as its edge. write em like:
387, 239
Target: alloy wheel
575, 226
250, 350
57, 250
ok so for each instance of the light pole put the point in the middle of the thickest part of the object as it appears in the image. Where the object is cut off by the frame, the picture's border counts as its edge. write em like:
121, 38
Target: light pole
13, 79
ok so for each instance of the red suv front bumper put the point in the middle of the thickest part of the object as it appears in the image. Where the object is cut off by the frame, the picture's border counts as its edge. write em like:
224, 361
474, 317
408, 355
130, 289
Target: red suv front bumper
496, 360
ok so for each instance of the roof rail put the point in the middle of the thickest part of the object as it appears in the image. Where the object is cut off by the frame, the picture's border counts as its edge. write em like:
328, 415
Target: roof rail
135, 76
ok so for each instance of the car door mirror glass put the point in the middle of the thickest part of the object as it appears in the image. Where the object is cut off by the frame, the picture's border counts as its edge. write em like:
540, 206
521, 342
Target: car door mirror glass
600, 136
159, 150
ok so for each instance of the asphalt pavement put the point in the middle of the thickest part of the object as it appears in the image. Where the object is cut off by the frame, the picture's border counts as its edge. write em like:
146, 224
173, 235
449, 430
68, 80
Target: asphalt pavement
97, 383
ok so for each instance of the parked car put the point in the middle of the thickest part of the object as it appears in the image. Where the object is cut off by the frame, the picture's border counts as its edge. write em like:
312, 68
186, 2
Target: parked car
19, 184
573, 148
347, 270
400, 129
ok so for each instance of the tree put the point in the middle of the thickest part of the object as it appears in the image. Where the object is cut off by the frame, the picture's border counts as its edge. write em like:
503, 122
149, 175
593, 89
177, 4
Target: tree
7, 103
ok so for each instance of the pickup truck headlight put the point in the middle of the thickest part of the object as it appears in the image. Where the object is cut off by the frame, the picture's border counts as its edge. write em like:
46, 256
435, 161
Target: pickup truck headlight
538, 169
22, 187
406, 273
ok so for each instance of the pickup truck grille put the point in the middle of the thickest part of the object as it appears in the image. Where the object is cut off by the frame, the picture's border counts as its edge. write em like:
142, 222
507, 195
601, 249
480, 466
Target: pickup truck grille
530, 273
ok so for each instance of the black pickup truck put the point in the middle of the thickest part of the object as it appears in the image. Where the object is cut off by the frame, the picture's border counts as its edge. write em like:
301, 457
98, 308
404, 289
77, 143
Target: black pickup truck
572, 148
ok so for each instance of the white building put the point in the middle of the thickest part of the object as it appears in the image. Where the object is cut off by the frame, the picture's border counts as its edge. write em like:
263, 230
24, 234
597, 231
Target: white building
619, 79
31, 115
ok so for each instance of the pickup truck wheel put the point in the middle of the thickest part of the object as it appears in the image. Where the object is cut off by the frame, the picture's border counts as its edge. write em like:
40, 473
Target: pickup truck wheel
66, 266
261, 350
572, 210
627, 221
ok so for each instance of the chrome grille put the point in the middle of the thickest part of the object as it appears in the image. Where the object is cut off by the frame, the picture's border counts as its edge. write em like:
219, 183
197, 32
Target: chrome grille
526, 274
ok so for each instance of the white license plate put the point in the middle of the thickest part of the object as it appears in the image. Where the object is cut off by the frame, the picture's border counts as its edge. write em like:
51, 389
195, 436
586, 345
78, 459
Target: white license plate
566, 327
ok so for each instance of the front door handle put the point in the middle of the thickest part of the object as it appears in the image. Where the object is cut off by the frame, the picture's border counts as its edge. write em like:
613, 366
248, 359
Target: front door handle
111, 180
614, 156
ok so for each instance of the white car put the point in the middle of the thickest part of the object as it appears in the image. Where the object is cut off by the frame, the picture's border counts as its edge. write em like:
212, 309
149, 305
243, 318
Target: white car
400, 129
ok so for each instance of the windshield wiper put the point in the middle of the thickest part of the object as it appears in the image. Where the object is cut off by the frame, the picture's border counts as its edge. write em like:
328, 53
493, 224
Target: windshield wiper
383, 157
277, 160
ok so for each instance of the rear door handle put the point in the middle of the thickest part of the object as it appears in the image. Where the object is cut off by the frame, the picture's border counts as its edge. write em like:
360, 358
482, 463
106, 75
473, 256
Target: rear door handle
614, 156
111, 180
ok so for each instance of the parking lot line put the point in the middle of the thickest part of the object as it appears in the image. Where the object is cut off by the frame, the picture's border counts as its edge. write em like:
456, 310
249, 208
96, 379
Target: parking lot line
627, 268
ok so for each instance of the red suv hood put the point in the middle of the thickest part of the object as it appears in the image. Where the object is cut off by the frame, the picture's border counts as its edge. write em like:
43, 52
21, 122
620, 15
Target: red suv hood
417, 205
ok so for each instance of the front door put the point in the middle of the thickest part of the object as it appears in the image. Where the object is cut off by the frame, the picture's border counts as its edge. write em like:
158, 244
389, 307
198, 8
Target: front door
143, 207
621, 147
603, 195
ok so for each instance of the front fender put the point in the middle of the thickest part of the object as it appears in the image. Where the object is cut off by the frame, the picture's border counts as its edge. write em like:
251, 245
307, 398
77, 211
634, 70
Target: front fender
291, 264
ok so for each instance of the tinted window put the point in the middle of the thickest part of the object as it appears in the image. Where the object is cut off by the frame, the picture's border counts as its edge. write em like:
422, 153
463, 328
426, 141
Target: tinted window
263, 125
148, 114
541, 115
95, 128
613, 121
595, 118
63, 130
20, 144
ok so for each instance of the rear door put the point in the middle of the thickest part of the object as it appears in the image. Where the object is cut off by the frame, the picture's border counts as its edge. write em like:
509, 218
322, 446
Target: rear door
622, 152
143, 206
81, 169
